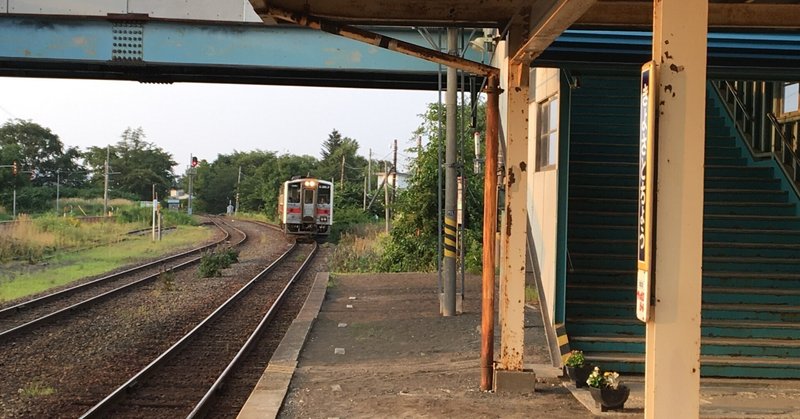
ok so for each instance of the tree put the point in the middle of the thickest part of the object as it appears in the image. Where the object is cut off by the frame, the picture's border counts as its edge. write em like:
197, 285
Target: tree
339, 156
137, 165
412, 245
39, 150
41, 157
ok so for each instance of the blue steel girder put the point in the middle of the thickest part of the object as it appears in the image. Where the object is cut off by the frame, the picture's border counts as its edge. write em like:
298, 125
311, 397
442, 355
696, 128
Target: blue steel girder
157, 51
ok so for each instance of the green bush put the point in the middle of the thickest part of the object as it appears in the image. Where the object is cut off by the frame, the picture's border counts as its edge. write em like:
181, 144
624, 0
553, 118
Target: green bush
212, 263
359, 250
345, 219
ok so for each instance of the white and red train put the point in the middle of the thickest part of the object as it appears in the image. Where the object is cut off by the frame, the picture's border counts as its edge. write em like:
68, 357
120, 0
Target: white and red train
305, 207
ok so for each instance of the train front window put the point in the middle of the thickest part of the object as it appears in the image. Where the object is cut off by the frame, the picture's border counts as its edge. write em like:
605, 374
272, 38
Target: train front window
308, 196
294, 193
323, 196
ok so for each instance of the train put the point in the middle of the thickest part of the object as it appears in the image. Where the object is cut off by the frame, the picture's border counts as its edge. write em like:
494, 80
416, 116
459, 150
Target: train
305, 207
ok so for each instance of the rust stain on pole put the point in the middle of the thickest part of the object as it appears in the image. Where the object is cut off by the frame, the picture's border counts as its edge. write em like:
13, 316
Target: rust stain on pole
489, 228
378, 40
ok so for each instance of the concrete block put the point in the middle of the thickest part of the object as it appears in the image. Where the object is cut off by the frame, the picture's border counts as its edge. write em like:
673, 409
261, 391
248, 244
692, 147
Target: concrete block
520, 382
459, 303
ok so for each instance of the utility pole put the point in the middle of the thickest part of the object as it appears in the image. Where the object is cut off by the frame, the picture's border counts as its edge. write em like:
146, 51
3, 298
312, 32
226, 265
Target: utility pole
394, 172
14, 212
448, 301
238, 182
342, 177
191, 174
364, 207
58, 187
386, 212
105, 183
155, 204
369, 172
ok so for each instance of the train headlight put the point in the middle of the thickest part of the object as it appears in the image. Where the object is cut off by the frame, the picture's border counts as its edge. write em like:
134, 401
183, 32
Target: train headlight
323, 219
310, 183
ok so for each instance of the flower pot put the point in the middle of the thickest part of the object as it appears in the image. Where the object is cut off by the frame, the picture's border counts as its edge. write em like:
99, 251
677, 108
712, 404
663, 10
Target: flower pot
610, 398
579, 374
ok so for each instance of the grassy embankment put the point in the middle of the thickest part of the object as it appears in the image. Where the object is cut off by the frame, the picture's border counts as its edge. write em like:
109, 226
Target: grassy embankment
40, 254
360, 249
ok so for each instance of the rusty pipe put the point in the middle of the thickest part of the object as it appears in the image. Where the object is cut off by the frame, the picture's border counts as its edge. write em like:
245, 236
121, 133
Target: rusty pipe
378, 40
489, 228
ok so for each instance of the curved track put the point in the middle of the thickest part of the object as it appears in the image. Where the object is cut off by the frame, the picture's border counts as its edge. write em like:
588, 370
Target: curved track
183, 380
23, 316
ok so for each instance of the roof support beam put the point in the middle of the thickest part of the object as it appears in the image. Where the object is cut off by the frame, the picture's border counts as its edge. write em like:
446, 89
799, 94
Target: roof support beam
377, 40
720, 15
549, 19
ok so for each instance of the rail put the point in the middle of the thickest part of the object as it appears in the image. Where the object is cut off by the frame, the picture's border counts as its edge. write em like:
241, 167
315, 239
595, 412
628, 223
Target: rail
29, 304
101, 408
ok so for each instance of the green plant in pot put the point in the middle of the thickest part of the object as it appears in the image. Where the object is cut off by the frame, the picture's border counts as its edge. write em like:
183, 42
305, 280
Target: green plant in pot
607, 389
577, 368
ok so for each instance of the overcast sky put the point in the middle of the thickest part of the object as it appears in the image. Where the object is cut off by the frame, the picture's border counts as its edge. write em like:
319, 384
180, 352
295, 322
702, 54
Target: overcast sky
210, 119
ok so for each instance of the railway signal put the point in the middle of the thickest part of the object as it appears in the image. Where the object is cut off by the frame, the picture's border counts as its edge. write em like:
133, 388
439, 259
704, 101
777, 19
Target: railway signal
194, 161
14, 168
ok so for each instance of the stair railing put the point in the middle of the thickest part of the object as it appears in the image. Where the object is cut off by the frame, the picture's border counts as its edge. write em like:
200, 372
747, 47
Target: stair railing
784, 151
765, 136
745, 101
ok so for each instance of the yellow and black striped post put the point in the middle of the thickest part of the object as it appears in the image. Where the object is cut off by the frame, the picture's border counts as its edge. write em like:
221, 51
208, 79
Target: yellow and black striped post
449, 237
563, 342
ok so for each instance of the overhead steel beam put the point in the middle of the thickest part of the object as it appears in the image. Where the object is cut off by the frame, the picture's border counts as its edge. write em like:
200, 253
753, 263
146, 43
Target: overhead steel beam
473, 13
639, 14
157, 51
375, 39
548, 20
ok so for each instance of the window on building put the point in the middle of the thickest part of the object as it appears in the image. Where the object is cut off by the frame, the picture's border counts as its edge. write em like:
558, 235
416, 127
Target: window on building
791, 97
547, 144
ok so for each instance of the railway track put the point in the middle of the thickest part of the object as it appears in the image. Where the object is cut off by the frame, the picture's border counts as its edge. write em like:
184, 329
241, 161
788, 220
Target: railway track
28, 314
184, 379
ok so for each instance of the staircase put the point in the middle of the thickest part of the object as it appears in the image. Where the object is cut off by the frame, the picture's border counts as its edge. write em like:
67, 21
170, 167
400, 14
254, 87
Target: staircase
751, 249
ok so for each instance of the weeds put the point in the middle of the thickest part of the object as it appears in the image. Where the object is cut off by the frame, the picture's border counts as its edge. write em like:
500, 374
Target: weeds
36, 389
531, 294
212, 263
167, 278
360, 251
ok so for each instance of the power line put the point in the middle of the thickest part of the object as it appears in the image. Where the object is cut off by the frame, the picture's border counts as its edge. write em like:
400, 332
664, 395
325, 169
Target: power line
7, 112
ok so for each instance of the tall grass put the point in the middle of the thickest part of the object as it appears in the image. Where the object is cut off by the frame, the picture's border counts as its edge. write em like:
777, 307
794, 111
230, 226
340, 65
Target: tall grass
33, 239
79, 206
360, 249
66, 267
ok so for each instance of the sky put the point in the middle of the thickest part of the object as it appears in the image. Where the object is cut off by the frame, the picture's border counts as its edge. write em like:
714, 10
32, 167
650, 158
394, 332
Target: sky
205, 120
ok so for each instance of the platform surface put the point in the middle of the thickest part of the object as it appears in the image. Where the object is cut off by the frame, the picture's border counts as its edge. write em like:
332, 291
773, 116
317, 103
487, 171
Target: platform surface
379, 348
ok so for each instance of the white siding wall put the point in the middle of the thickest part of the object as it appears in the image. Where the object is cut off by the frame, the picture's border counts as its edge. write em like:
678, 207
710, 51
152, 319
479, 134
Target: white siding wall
543, 196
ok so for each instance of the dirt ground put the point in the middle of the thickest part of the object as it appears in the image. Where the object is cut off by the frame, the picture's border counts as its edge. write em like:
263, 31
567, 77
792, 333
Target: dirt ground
402, 359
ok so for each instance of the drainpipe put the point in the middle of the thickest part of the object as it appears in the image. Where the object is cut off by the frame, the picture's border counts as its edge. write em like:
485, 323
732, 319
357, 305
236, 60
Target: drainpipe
489, 227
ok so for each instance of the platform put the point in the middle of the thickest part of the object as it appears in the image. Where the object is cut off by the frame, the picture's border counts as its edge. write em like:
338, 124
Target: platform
379, 348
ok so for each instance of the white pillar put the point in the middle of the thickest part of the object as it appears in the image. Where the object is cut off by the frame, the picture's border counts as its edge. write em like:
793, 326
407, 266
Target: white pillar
513, 226
672, 370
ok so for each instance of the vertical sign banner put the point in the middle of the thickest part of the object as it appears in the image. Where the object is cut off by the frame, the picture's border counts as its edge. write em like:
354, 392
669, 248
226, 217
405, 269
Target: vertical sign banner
647, 118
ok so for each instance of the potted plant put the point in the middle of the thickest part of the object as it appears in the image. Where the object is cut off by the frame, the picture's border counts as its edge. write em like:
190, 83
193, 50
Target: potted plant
577, 368
607, 390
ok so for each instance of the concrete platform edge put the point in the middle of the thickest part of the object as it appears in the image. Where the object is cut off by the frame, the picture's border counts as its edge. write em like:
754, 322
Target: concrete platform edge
267, 397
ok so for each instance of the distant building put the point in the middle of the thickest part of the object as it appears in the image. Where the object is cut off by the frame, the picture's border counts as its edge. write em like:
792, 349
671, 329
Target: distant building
402, 179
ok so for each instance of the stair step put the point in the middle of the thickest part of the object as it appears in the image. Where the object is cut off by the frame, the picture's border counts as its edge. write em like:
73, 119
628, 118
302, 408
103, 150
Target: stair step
738, 171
